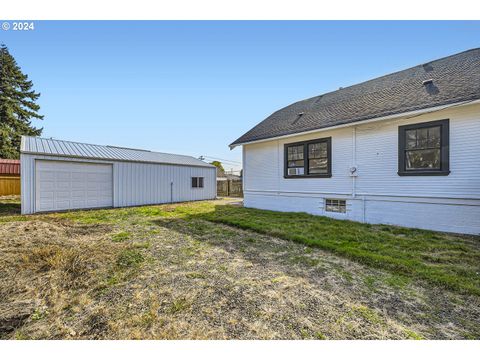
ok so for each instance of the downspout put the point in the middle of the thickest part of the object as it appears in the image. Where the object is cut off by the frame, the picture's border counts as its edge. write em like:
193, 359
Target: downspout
353, 169
279, 167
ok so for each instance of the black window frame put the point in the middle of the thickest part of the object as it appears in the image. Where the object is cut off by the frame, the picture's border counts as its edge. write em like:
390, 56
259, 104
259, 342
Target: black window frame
327, 140
197, 182
444, 149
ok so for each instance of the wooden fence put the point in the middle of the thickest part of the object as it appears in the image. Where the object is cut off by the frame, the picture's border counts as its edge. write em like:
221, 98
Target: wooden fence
229, 188
9, 185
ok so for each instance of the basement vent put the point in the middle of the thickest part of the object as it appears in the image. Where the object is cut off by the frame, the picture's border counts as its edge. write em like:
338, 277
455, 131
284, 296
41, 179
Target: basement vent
336, 205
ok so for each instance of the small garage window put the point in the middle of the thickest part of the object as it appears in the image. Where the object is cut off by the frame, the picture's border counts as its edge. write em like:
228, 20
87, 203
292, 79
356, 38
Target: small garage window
197, 182
336, 205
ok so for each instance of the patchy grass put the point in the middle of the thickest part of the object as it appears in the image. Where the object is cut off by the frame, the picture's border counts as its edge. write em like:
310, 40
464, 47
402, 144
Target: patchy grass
184, 272
121, 236
447, 260
129, 258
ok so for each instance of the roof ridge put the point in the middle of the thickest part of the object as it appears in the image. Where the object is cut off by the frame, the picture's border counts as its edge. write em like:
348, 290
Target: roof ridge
111, 146
377, 78
399, 71
456, 78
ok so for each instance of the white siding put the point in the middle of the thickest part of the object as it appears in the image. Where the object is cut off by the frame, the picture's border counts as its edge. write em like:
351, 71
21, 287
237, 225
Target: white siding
447, 203
377, 149
134, 183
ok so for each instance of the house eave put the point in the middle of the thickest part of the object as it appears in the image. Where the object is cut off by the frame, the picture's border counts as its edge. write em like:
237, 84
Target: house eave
382, 118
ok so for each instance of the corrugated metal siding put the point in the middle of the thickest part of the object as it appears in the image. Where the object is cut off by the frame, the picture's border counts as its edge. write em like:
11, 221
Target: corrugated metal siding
133, 183
36, 145
137, 184
9, 167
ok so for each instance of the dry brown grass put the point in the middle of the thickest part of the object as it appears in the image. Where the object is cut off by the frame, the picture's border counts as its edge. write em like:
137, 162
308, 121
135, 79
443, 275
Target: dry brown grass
138, 274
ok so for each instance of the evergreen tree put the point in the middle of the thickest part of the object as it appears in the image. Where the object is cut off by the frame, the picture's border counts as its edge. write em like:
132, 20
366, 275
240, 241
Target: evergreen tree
17, 106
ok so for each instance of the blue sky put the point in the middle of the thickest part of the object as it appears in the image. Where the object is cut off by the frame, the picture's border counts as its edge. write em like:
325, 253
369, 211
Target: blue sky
194, 87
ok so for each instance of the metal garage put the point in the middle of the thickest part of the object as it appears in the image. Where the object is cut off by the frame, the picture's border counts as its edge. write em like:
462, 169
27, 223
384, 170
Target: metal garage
64, 175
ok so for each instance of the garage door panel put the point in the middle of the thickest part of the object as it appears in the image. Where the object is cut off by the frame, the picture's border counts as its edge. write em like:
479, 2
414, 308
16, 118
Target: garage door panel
46, 176
62, 195
79, 204
78, 194
63, 175
79, 176
78, 186
47, 195
45, 205
45, 186
62, 185
62, 205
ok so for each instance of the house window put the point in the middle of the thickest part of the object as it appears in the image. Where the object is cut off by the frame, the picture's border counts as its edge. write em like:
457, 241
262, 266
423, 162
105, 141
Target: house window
423, 149
295, 160
197, 182
336, 205
308, 159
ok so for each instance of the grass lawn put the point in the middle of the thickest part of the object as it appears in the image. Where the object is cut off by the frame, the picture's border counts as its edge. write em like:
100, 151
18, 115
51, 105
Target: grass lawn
446, 260
219, 271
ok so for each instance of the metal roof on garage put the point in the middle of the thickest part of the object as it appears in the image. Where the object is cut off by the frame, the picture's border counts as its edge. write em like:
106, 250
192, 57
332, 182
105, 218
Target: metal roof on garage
54, 147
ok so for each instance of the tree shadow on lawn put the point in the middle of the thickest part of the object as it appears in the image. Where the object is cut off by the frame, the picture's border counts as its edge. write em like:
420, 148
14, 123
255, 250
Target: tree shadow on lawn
426, 308
9, 205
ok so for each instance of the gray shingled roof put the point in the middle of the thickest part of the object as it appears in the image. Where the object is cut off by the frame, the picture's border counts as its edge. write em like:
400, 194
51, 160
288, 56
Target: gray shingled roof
36, 145
455, 78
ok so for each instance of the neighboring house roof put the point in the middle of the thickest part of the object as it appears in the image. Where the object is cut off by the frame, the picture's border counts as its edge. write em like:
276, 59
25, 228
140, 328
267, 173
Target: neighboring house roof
36, 145
455, 78
9, 167
228, 177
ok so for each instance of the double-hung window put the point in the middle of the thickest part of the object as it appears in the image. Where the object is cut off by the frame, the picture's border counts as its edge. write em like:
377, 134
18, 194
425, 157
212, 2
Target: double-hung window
423, 149
311, 158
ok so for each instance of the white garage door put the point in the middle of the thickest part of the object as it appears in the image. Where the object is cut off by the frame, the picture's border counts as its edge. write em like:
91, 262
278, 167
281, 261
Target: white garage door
62, 185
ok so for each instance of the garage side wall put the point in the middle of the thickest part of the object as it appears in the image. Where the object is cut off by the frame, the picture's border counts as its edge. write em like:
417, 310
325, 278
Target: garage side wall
133, 183
140, 183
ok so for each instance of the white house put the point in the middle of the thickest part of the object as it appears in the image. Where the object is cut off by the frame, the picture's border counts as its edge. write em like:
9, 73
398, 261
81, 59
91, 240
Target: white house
64, 175
401, 149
